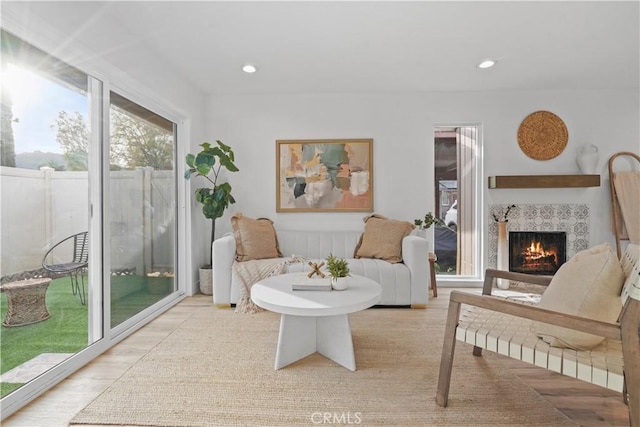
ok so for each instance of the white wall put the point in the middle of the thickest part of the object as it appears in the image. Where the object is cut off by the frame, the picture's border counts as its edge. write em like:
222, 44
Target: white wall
401, 126
401, 165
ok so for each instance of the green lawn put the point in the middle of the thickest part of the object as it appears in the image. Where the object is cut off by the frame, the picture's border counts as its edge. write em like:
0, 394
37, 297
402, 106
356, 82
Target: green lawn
66, 330
132, 294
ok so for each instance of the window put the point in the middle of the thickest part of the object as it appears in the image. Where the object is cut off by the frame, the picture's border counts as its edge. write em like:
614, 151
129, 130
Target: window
456, 156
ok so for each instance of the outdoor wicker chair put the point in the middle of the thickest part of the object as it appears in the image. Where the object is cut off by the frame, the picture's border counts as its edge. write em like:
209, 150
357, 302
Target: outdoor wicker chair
78, 262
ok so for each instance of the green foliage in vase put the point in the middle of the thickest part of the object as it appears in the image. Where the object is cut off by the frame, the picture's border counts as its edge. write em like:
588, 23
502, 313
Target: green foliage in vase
427, 222
337, 267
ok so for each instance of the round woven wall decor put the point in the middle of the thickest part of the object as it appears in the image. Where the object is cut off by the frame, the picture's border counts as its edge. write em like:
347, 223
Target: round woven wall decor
542, 135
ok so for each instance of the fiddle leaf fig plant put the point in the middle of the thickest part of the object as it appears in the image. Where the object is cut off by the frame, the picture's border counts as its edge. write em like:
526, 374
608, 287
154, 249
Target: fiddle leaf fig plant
216, 198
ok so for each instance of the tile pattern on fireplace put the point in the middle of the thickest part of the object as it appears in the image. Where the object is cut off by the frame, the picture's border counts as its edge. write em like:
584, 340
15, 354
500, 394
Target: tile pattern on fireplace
570, 218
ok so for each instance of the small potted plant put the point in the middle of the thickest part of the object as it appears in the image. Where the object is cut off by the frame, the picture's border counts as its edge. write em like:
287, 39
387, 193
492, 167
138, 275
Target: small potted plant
339, 271
426, 223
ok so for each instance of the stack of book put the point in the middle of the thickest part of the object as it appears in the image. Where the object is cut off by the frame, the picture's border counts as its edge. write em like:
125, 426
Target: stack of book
305, 283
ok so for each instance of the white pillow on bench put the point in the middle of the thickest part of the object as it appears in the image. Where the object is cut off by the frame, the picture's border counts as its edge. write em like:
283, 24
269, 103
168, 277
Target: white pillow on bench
588, 285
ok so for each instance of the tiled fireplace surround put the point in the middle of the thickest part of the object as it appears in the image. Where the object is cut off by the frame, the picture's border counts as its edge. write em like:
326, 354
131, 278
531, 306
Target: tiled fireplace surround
572, 219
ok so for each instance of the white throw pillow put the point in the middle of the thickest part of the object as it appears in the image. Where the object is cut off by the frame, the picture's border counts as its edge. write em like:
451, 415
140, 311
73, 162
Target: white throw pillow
588, 285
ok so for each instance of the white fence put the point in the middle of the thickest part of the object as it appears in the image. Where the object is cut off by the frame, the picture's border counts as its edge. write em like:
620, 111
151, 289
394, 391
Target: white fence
40, 208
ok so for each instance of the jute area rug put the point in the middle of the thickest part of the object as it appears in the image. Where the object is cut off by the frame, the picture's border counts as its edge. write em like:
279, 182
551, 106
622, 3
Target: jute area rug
217, 368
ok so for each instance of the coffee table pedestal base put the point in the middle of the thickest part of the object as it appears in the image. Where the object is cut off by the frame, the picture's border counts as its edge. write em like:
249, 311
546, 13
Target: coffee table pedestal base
301, 336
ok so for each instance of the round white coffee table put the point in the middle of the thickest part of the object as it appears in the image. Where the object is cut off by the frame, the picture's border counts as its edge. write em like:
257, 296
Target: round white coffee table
314, 321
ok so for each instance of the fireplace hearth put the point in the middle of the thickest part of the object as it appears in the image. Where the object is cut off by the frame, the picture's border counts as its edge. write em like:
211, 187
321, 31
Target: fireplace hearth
537, 252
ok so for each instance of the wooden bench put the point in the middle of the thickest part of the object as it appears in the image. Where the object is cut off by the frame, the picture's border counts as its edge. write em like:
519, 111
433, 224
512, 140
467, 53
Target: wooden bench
504, 326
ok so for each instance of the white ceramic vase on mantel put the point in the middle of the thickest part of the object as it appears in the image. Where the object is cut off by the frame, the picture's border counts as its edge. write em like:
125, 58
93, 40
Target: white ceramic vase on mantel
502, 253
587, 159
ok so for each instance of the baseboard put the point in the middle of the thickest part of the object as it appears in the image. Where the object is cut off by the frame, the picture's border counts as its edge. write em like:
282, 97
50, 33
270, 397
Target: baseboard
390, 306
412, 306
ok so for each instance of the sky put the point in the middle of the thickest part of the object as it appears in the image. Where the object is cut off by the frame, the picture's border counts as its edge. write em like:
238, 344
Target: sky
36, 104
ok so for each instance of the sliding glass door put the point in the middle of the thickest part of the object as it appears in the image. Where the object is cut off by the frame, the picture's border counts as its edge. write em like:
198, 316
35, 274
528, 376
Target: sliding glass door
142, 208
88, 219
47, 272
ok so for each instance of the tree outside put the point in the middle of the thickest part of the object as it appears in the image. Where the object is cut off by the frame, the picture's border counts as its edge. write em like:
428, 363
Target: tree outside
72, 133
134, 142
7, 145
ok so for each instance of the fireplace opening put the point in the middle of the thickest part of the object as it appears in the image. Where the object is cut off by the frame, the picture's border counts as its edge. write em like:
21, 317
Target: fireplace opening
537, 252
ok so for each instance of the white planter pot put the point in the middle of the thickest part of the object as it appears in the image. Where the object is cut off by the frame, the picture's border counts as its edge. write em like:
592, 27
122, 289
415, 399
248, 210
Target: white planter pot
206, 281
420, 233
339, 283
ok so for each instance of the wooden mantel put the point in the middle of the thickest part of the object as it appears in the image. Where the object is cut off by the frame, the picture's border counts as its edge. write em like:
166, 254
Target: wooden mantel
544, 181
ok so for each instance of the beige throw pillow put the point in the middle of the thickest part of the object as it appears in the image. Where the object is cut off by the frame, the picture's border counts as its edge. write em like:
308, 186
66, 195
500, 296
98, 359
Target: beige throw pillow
588, 285
255, 238
382, 238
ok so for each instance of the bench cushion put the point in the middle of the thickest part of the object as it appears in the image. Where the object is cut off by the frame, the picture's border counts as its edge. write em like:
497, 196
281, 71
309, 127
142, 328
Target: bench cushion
588, 285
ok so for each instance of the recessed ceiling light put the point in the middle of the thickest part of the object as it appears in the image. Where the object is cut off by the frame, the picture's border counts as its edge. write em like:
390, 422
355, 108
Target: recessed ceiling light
249, 69
487, 63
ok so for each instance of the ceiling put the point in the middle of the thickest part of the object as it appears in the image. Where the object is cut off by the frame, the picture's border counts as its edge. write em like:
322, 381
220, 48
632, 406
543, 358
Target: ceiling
324, 47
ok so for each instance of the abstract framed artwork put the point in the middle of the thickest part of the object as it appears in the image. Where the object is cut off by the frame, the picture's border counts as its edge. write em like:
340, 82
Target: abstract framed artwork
324, 175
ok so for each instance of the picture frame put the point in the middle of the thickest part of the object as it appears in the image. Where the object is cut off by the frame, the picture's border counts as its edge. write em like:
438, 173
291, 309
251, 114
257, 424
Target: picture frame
324, 175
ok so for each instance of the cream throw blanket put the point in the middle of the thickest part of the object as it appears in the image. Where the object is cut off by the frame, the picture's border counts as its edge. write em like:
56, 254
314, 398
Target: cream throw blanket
627, 186
251, 272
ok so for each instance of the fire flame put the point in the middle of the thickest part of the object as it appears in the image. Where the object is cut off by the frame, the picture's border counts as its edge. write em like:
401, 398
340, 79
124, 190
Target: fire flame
535, 251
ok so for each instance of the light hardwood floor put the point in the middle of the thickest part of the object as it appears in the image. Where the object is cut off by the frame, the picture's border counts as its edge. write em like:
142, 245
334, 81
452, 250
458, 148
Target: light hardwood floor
585, 404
